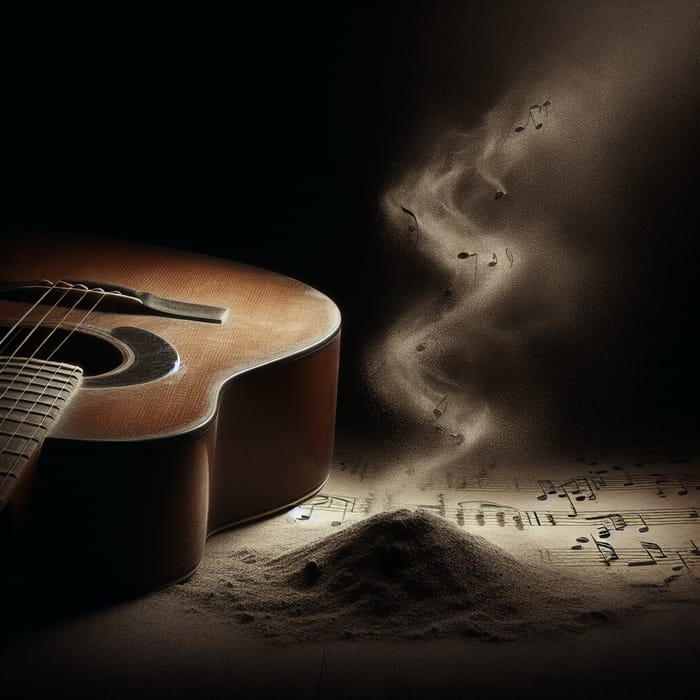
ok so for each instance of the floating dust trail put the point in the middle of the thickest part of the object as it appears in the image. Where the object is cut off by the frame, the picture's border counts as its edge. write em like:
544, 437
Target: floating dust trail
406, 574
517, 304
492, 362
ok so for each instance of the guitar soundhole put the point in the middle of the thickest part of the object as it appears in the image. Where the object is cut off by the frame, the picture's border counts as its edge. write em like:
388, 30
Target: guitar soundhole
93, 353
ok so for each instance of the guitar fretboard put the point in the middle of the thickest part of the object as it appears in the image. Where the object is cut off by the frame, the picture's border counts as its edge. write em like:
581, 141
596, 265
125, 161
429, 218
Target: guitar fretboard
32, 395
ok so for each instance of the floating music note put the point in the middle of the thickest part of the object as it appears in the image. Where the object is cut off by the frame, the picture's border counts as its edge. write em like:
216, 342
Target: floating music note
531, 118
413, 216
376, 371
463, 255
429, 341
457, 438
440, 407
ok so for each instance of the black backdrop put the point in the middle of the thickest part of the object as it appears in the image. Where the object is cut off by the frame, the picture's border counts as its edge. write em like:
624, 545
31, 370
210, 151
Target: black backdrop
264, 133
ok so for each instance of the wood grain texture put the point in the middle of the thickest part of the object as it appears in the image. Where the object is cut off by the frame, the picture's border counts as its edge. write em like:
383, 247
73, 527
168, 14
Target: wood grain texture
131, 480
270, 317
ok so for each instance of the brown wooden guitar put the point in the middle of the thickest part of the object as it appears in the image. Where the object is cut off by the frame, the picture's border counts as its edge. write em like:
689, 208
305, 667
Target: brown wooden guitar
150, 397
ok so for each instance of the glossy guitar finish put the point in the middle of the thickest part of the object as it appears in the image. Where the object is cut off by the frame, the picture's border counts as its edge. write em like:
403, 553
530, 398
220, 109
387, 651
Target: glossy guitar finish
203, 395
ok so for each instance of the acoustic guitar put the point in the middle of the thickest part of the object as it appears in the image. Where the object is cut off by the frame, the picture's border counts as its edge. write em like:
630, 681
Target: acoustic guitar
150, 397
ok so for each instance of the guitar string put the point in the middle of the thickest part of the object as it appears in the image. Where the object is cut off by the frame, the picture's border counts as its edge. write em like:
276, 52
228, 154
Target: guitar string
102, 294
18, 373
38, 324
42, 394
55, 350
29, 311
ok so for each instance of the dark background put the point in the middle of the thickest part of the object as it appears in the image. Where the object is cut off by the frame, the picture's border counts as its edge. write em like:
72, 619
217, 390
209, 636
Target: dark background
266, 134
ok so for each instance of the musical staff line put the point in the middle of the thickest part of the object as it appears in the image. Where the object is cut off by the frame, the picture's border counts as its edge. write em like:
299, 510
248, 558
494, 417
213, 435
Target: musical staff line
582, 487
489, 514
342, 505
647, 554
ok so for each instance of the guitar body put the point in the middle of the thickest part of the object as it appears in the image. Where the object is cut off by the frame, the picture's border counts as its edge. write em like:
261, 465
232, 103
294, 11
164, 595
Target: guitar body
163, 396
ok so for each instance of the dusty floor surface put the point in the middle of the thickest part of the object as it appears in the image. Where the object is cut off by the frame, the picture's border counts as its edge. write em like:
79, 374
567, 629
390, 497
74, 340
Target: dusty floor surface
575, 578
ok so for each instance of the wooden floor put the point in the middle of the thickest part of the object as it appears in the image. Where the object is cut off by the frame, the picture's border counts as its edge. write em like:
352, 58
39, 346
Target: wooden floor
150, 648
158, 646
138, 651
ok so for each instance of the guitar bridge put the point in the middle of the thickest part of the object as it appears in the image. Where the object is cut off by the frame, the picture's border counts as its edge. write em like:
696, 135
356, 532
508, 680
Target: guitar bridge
110, 298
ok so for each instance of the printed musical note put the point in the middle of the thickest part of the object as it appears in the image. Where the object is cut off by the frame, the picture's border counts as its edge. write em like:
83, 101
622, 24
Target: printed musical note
456, 480
573, 512
653, 551
603, 531
439, 508
496, 512
606, 550
332, 504
548, 489
581, 488
649, 554
609, 522
356, 466
629, 481
413, 216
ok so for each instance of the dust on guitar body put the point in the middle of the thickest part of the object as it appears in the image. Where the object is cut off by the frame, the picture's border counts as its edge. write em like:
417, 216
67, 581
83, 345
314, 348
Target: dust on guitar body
150, 397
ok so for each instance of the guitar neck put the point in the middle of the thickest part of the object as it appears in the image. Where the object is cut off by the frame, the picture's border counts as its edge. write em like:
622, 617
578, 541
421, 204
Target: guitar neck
32, 395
